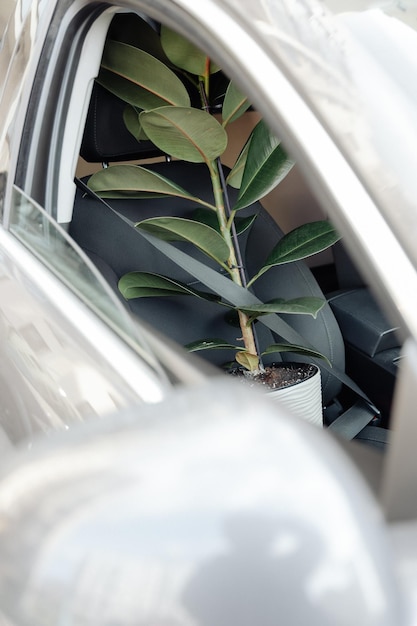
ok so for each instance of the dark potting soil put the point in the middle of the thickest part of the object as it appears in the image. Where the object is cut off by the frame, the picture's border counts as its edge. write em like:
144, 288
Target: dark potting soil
278, 376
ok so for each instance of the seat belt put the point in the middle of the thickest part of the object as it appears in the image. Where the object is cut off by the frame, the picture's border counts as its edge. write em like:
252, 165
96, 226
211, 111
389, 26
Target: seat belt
353, 420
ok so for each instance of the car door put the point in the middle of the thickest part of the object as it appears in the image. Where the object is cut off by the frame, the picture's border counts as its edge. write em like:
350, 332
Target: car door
61, 359
68, 350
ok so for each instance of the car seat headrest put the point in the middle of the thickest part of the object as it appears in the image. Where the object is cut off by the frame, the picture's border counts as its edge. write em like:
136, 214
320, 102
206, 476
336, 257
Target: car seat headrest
106, 137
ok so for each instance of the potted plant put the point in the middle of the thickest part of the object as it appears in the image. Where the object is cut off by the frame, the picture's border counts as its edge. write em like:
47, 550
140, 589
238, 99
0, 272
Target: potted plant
166, 83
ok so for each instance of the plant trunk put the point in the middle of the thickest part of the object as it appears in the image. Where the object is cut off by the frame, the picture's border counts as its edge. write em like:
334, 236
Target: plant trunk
235, 268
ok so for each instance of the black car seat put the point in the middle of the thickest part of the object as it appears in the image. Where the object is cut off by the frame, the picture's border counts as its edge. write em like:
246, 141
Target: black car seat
117, 248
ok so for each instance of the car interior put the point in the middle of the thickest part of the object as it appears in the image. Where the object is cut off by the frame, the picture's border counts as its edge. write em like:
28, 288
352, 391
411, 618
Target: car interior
350, 330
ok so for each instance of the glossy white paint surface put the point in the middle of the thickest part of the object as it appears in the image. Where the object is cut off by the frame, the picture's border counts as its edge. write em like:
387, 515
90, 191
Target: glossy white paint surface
59, 363
219, 510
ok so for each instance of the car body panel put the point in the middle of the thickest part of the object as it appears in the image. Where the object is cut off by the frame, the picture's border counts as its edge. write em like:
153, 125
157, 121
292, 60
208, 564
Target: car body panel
55, 367
62, 361
24, 29
222, 512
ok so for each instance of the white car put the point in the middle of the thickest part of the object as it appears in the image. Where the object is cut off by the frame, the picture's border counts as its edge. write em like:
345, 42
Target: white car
174, 496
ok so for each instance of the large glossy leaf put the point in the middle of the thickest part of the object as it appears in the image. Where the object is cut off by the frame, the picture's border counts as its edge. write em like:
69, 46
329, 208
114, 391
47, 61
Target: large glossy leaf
131, 120
301, 243
185, 133
119, 181
185, 54
206, 216
234, 178
286, 347
138, 78
304, 305
211, 344
128, 91
146, 285
234, 105
202, 236
266, 165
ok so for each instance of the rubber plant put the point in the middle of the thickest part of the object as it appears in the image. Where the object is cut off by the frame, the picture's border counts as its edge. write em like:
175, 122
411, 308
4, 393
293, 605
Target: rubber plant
168, 97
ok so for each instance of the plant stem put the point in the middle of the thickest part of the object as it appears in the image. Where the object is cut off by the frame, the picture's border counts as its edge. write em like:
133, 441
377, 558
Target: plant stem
234, 266
231, 224
228, 231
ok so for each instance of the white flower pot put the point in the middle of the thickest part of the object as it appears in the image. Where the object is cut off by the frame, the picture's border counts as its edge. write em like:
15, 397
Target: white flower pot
303, 398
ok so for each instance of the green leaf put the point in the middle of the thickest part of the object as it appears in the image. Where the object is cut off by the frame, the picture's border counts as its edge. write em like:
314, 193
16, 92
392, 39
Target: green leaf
234, 105
121, 181
301, 243
139, 79
247, 360
145, 285
184, 54
131, 120
308, 305
209, 217
288, 347
243, 223
211, 344
235, 176
267, 164
203, 237
185, 133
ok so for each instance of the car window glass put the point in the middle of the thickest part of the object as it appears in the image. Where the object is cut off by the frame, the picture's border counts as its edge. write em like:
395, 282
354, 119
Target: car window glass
51, 244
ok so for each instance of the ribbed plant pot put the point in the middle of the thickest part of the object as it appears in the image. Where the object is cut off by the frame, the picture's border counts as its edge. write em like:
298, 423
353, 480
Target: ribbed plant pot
299, 390
303, 398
